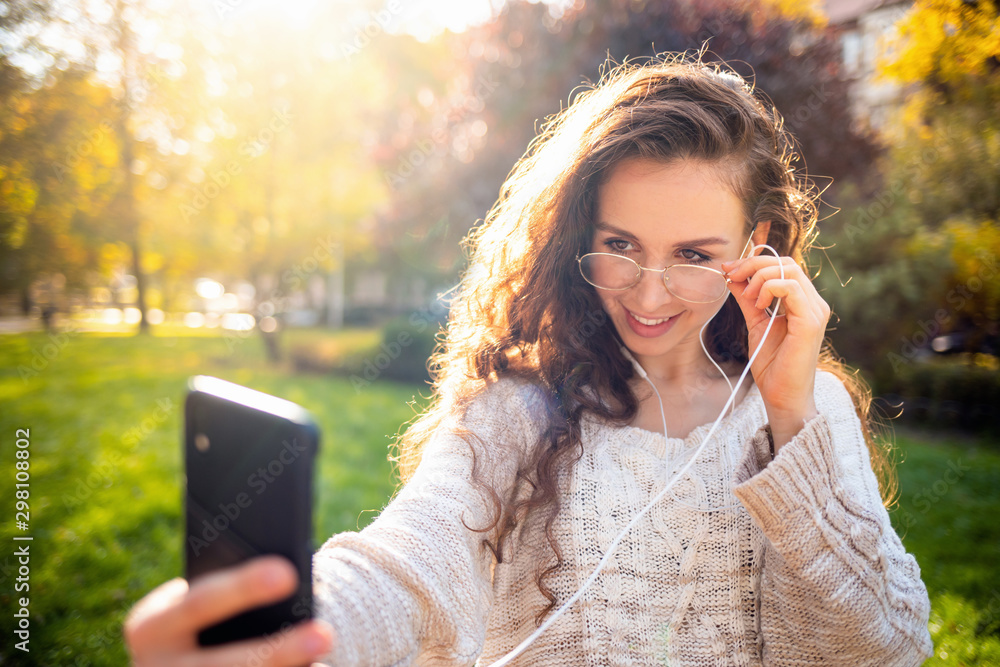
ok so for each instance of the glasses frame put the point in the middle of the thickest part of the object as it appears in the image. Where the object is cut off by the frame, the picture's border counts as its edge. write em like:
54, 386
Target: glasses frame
663, 271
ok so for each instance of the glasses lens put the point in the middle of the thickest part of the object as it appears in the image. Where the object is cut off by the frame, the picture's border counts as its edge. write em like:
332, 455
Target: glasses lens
609, 271
698, 284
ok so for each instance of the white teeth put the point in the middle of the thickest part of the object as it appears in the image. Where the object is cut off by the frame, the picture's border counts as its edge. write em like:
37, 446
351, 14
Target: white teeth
648, 322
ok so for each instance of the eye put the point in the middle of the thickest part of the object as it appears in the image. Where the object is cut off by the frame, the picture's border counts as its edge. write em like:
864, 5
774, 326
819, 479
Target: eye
694, 256
613, 245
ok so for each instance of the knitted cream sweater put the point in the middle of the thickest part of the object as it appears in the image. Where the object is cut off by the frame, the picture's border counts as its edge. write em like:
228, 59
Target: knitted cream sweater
747, 561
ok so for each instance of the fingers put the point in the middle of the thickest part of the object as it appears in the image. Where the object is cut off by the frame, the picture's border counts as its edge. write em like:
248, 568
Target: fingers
162, 627
174, 612
298, 645
753, 316
765, 283
792, 296
746, 269
142, 625
217, 596
767, 273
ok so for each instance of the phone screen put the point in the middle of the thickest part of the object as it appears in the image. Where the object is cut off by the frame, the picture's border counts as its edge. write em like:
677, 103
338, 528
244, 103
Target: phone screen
249, 464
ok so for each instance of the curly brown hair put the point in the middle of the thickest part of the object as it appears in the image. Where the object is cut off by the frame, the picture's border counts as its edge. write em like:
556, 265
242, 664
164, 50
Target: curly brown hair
521, 304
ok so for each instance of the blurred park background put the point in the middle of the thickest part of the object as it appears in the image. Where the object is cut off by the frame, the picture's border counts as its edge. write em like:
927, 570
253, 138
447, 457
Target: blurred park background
274, 192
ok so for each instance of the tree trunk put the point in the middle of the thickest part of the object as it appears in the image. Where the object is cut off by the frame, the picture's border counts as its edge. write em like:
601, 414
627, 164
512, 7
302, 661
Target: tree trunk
130, 217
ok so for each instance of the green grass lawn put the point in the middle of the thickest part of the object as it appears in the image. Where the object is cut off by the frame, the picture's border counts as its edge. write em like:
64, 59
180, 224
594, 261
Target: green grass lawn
105, 414
949, 518
105, 418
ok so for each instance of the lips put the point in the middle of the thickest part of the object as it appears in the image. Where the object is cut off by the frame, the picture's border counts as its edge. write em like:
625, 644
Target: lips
649, 330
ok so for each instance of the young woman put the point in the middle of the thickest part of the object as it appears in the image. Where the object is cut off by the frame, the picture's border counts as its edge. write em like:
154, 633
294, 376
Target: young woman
616, 291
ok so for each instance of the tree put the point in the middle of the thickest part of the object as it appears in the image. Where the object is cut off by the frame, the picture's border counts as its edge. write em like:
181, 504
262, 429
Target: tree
119, 119
947, 152
949, 130
59, 160
522, 67
923, 251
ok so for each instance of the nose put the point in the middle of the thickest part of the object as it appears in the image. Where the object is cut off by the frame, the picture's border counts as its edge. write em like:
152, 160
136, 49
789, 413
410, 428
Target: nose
651, 292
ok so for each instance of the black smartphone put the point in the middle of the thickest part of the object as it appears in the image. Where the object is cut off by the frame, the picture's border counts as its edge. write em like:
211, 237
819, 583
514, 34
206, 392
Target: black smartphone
248, 458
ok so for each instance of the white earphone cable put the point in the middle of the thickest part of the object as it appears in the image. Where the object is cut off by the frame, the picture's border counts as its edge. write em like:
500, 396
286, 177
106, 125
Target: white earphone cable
635, 519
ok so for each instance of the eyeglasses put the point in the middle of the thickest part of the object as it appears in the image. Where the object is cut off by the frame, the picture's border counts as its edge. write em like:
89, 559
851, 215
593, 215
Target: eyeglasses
688, 282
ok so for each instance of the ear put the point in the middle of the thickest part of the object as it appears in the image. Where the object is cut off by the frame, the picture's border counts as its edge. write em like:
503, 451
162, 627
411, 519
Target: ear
760, 234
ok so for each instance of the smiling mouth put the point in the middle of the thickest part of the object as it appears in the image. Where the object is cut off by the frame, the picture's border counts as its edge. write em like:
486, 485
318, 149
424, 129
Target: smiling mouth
646, 321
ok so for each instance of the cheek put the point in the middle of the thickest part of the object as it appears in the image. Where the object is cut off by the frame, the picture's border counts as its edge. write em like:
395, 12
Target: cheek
610, 302
615, 312
709, 310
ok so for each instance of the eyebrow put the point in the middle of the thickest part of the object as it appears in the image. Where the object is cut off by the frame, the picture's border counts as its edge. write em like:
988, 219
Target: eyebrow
708, 240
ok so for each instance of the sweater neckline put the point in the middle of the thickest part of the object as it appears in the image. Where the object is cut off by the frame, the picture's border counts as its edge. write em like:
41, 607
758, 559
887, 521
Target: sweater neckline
735, 415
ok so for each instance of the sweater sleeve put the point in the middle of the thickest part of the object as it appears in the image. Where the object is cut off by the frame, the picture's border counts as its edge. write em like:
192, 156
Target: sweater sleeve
415, 584
837, 585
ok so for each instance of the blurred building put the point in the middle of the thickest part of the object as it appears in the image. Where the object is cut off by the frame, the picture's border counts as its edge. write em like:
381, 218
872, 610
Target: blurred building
867, 31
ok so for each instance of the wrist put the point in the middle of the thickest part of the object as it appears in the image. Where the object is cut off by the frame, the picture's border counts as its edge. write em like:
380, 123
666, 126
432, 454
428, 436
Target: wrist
785, 426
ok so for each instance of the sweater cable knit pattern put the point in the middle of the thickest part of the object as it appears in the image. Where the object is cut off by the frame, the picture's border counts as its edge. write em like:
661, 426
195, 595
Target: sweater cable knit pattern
748, 560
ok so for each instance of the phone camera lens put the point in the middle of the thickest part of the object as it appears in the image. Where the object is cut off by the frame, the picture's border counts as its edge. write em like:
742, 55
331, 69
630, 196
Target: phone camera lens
201, 442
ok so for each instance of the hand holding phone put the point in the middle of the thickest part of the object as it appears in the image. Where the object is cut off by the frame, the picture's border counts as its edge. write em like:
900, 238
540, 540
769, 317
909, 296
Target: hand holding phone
161, 629
249, 466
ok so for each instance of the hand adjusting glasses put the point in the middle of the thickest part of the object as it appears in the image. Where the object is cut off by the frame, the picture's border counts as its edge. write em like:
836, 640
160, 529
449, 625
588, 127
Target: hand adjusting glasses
689, 282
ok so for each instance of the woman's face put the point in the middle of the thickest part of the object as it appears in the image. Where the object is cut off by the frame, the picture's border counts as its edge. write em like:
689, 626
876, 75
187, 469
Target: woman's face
660, 214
